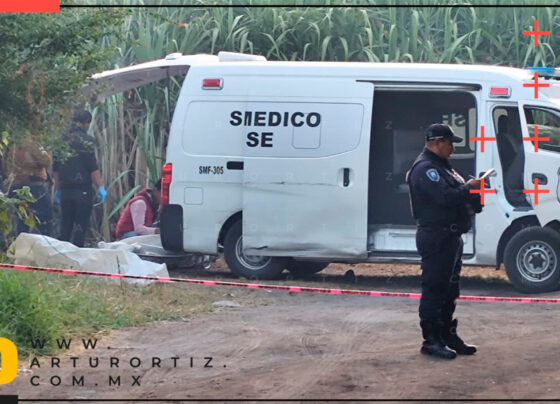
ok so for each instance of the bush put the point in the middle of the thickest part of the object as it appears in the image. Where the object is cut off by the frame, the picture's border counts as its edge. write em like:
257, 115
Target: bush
25, 313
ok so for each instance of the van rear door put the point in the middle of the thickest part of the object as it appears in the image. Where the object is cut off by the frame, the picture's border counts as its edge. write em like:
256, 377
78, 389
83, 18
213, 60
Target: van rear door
542, 163
107, 83
306, 156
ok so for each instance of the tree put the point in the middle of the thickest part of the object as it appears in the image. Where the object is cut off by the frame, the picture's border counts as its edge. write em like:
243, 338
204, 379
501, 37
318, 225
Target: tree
45, 59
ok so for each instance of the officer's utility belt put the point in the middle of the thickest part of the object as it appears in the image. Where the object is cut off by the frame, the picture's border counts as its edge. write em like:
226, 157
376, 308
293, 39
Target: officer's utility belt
76, 185
450, 228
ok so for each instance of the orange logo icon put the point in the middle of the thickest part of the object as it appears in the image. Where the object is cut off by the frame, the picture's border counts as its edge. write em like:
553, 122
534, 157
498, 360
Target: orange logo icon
8, 361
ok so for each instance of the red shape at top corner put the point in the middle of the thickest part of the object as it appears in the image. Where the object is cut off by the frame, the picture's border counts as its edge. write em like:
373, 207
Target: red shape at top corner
29, 6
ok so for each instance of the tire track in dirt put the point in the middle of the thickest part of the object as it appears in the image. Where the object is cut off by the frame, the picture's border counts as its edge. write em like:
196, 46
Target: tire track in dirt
333, 362
366, 329
251, 345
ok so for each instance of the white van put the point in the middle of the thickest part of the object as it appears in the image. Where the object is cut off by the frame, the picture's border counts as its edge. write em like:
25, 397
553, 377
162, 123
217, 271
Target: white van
298, 164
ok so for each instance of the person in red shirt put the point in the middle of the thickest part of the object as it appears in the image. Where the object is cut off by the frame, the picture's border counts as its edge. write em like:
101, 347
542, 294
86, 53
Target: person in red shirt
139, 215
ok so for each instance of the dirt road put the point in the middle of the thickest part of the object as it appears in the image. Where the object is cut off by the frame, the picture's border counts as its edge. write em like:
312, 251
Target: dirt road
314, 346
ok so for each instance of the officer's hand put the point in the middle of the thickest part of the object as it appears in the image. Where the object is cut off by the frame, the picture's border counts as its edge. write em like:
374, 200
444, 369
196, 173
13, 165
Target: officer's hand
57, 196
474, 182
101, 193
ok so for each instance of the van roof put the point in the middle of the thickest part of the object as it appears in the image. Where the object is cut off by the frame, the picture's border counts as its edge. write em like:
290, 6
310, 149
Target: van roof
118, 80
237, 59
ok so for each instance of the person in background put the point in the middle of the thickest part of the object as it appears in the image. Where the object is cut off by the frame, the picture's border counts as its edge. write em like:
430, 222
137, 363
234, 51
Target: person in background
73, 179
26, 164
139, 215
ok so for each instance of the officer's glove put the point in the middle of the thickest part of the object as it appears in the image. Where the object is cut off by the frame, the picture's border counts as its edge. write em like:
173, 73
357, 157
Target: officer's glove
57, 196
101, 193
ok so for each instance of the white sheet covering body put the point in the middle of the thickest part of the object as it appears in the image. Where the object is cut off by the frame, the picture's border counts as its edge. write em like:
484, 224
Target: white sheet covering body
146, 245
42, 251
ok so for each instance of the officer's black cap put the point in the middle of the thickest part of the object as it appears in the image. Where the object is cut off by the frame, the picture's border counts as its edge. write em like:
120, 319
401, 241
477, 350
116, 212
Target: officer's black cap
441, 131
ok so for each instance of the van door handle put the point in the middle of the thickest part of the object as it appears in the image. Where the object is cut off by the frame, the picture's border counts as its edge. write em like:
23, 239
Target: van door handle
234, 165
543, 180
346, 177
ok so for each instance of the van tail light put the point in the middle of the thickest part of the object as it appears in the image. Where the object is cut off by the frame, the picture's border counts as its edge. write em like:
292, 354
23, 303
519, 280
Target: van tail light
165, 182
212, 84
500, 92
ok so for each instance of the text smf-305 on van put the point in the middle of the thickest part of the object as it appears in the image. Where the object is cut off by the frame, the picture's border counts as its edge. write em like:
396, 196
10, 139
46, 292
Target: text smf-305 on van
292, 165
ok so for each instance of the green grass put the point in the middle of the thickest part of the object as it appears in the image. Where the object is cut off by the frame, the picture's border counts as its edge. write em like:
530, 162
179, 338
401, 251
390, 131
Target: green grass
47, 306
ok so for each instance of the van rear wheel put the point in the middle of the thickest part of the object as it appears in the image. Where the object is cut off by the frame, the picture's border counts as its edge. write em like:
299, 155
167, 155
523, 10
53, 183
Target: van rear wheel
532, 260
249, 266
303, 269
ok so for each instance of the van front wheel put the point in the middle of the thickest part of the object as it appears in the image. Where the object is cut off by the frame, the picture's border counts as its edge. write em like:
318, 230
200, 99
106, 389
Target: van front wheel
249, 266
532, 260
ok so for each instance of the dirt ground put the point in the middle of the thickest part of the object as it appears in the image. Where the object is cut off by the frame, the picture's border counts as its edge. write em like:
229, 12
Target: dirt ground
315, 346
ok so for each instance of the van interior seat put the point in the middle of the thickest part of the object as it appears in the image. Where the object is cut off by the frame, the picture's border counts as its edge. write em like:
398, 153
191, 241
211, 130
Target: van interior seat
512, 156
505, 143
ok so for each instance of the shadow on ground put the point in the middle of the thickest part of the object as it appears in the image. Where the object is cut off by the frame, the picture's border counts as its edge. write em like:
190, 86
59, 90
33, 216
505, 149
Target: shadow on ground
348, 280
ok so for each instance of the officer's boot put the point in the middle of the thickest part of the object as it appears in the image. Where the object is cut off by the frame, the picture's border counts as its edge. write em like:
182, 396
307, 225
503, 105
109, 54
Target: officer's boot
453, 341
433, 344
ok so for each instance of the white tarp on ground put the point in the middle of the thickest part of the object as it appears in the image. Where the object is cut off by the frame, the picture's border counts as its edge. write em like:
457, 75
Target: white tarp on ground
43, 251
148, 245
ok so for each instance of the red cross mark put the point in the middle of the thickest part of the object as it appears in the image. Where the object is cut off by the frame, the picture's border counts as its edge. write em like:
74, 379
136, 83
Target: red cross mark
482, 191
536, 32
537, 139
482, 139
536, 85
536, 191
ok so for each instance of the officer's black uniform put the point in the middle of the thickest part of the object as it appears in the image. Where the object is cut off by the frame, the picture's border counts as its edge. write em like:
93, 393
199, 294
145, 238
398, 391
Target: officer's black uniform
443, 208
76, 197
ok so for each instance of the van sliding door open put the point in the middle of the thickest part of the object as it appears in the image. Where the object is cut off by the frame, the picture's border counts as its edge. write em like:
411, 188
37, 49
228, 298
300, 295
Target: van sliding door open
400, 118
305, 178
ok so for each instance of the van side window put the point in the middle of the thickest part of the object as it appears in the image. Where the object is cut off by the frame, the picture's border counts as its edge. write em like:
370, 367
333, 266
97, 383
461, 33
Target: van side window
548, 123
509, 139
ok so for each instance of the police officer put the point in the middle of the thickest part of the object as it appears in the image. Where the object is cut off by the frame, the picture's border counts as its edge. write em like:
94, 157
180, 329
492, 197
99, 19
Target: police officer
73, 179
443, 207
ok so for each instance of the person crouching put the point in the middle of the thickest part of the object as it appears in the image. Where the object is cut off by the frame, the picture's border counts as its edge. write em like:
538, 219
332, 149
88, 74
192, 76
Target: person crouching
139, 215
